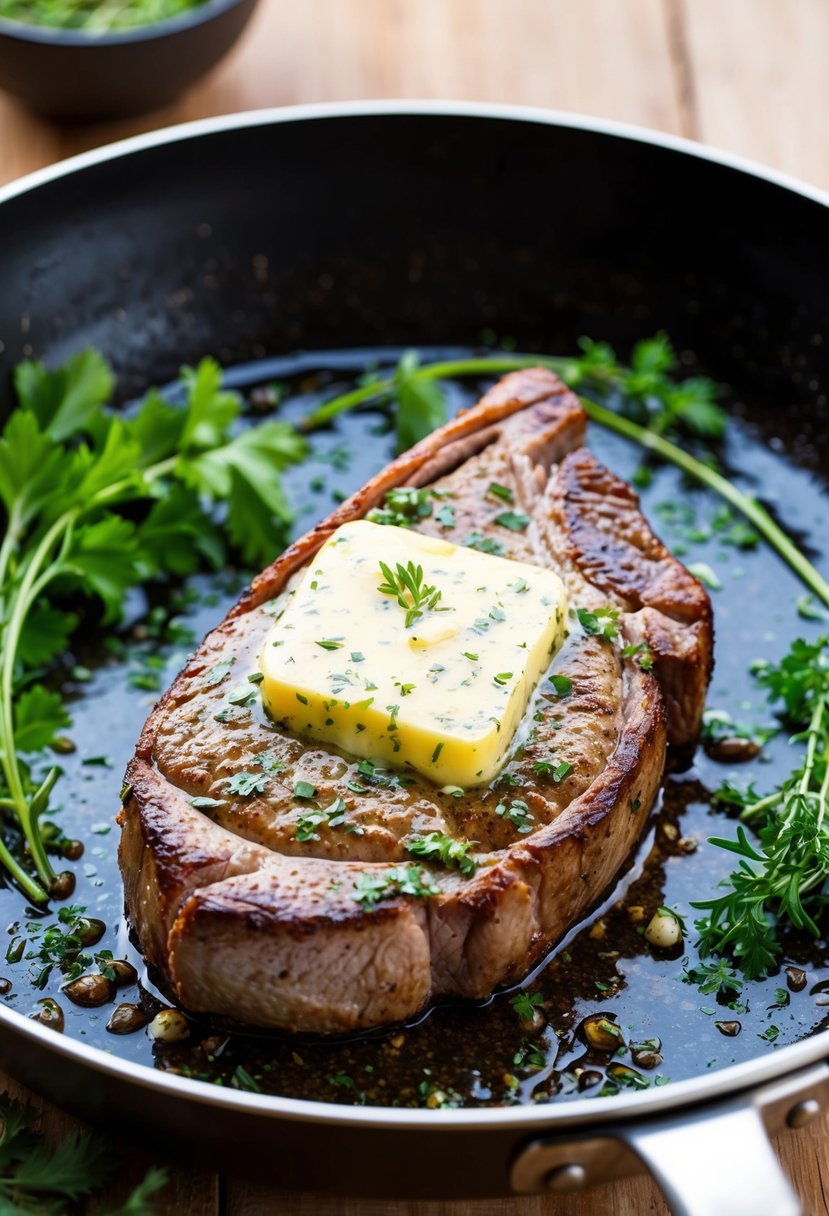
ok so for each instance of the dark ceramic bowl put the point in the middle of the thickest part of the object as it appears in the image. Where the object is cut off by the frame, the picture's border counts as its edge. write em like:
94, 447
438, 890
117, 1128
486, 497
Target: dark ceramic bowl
69, 74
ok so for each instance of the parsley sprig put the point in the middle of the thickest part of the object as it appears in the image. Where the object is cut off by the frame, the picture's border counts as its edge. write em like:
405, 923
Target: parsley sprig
97, 503
782, 875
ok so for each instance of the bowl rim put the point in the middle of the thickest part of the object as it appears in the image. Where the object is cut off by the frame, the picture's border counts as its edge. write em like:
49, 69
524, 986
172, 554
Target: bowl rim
44, 35
727, 1083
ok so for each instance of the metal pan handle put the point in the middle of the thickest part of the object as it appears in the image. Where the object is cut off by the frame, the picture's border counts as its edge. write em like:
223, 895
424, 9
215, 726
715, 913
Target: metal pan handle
716, 1164
711, 1160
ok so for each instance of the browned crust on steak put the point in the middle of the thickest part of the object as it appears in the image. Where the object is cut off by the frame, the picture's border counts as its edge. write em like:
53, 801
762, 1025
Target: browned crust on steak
277, 939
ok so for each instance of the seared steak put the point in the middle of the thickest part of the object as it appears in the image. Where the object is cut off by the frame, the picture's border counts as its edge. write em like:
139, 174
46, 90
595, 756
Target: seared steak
248, 916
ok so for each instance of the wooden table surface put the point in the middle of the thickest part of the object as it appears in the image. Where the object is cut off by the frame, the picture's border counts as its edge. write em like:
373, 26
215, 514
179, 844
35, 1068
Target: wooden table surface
746, 75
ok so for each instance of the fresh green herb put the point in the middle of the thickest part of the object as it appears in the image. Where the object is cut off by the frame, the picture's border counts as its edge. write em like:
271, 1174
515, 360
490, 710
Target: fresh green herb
95, 505
516, 521
246, 784
39, 1176
219, 672
330, 643
446, 516
241, 1079
59, 944
404, 506
242, 696
770, 1034
499, 491
484, 544
203, 803
716, 978
413, 880
562, 685
599, 623
502, 678
526, 1003
405, 584
518, 813
810, 610
454, 854
641, 652
269, 763
304, 789
93, 17
782, 877
544, 768
380, 777
708, 577
530, 1058
333, 816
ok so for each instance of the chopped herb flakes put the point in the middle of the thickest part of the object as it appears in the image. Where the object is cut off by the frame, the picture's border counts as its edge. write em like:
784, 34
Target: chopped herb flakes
599, 623
404, 506
454, 854
516, 521
499, 491
484, 544
641, 652
518, 813
246, 784
413, 880
203, 803
562, 685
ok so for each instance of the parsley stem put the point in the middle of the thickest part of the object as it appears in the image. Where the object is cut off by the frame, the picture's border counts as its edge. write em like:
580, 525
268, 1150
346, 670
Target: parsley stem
715, 481
33, 580
645, 437
763, 804
10, 542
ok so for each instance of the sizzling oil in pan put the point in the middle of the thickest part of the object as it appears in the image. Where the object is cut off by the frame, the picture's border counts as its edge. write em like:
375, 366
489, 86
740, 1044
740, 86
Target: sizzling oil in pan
607, 1011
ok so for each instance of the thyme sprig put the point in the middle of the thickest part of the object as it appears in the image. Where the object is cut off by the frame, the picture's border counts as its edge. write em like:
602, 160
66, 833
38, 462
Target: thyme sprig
783, 875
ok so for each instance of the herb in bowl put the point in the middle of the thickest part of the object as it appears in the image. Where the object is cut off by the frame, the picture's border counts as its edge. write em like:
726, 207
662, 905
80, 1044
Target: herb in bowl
95, 16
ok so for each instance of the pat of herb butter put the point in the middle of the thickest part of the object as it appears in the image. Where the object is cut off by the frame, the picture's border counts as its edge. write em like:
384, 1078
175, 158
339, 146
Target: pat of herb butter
414, 651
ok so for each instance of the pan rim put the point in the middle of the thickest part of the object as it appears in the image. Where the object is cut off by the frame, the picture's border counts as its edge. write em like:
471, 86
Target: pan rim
375, 108
725, 1083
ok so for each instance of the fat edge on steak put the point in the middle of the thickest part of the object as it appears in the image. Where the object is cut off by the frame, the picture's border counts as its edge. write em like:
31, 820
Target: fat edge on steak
242, 919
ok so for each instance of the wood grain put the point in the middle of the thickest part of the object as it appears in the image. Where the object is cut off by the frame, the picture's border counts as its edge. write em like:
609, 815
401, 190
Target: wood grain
761, 83
748, 75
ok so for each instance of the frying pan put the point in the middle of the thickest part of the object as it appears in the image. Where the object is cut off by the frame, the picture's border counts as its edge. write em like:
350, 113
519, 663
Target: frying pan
404, 224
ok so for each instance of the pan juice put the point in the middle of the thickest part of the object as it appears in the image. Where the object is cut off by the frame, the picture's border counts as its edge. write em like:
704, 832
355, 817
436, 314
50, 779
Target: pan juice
606, 1012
